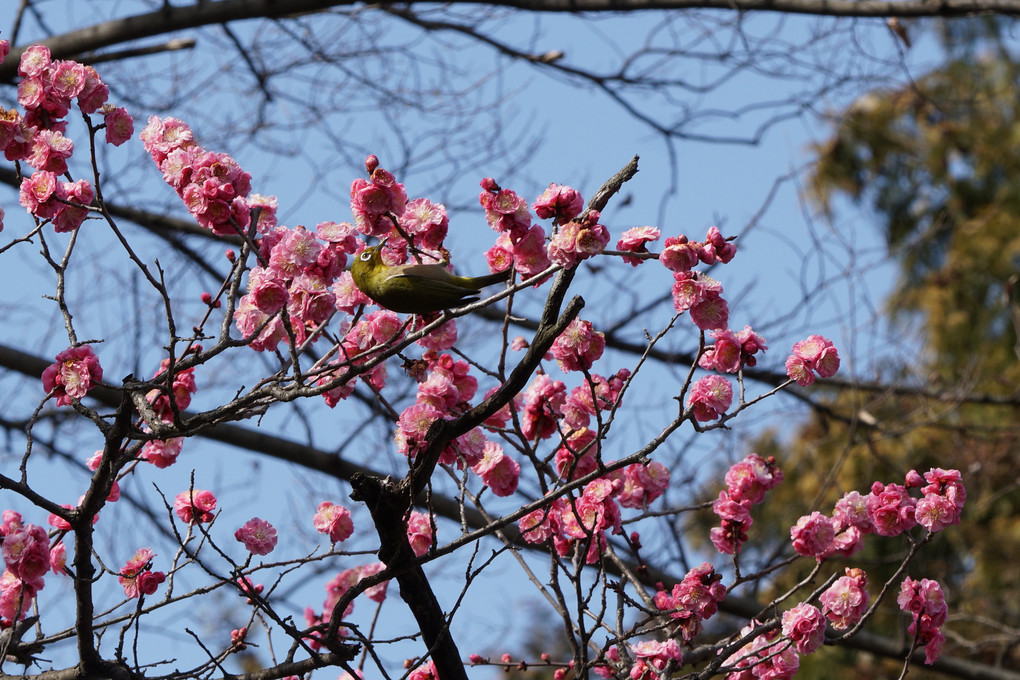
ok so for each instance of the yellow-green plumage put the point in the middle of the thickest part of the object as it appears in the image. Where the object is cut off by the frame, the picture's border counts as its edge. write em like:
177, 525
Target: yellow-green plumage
416, 288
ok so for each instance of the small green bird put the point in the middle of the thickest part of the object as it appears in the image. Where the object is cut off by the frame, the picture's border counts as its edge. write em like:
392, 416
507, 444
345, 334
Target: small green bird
416, 288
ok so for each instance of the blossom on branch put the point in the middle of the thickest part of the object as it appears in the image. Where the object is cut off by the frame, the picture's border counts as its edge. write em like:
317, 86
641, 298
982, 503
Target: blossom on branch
76, 370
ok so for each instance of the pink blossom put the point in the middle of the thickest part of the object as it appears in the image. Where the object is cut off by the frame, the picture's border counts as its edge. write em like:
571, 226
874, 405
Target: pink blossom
5, 49
925, 601
679, 255
137, 577
710, 397
891, 509
347, 296
752, 477
943, 501
10, 521
845, 601
505, 210
579, 346
652, 658
258, 535
162, 453
711, 313
578, 240
577, 457
498, 471
195, 506
50, 151
94, 93
426, 222
412, 426
376, 593
333, 520
419, 533
120, 126
374, 199
642, 484
633, 241
26, 554
813, 355
694, 599
542, 407
559, 202
58, 558
67, 79
426, 671
182, 387
35, 61
691, 288
529, 251
76, 370
813, 535
852, 511
716, 248
15, 597
805, 626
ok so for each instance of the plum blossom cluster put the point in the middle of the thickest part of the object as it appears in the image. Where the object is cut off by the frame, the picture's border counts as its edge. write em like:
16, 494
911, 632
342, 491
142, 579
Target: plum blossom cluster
212, 185
767, 656
298, 278
258, 536
27, 558
746, 484
577, 522
710, 397
696, 293
195, 506
73, 374
137, 576
693, 600
376, 201
579, 346
165, 400
732, 351
845, 602
925, 602
813, 356
336, 588
652, 658
334, 521
47, 91
888, 510
576, 237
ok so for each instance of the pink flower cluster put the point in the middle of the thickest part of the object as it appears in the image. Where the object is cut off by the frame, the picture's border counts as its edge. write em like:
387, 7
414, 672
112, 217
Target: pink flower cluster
520, 243
710, 397
561, 203
693, 600
889, 510
651, 658
578, 240
182, 387
702, 296
258, 536
543, 406
195, 506
334, 521
372, 330
76, 370
804, 625
377, 200
27, 558
815, 355
846, 600
419, 532
303, 268
347, 579
766, 657
426, 671
579, 346
642, 484
47, 90
681, 255
65, 203
212, 185
595, 394
137, 576
746, 484
582, 521
732, 351
925, 601
497, 470
633, 241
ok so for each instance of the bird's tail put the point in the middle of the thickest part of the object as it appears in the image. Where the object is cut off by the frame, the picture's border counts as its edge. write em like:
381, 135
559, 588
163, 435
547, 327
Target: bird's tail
490, 279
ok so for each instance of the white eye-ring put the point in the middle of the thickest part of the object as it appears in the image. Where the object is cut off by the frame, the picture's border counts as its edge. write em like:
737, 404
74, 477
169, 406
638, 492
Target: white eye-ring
365, 256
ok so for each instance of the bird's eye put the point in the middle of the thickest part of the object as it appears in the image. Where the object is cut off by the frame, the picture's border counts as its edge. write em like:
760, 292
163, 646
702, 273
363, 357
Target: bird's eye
365, 256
